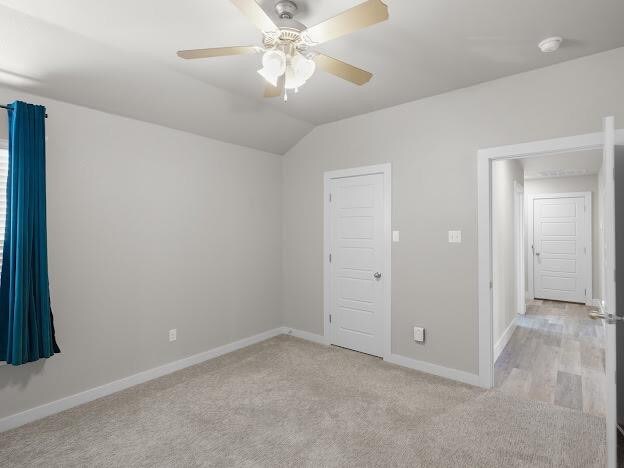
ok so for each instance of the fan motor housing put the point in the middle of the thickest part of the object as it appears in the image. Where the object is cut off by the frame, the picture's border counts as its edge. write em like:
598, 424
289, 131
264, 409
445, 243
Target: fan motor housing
289, 33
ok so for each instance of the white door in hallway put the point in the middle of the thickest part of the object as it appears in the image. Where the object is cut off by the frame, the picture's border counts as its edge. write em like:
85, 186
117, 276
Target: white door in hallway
357, 276
561, 247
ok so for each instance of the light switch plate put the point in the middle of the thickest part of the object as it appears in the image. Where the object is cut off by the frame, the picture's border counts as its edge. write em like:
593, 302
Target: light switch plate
173, 334
395, 236
454, 237
419, 334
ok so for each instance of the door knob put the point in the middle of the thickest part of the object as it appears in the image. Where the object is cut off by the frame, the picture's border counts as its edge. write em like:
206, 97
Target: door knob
610, 318
377, 275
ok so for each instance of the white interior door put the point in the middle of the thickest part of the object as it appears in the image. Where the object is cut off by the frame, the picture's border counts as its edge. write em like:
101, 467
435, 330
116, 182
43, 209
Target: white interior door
560, 248
357, 290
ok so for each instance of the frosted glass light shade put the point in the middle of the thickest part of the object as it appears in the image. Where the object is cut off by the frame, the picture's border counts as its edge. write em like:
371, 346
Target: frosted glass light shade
299, 71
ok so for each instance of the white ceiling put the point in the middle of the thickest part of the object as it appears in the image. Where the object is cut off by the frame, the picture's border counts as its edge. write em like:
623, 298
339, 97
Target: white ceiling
577, 163
119, 55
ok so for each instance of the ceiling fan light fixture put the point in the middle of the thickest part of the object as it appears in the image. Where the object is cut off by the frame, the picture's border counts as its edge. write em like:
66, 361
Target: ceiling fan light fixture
298, 71
303, 66
293, 81
269, 77
274, 62
273, 66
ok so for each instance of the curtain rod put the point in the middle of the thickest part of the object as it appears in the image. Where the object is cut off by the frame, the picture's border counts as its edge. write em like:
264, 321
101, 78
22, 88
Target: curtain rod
7, 107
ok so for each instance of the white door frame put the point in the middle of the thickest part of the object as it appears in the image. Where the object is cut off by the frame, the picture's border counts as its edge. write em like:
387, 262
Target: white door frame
386, 171
588, 235
485, 157
519, 243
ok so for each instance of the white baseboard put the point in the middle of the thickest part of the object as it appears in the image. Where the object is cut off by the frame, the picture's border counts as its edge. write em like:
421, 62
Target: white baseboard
19, 419
305, 335
39, 412
452, 374
502, 342
595, 303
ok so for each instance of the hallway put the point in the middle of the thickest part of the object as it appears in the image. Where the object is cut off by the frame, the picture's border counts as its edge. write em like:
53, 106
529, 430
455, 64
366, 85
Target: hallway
556, 355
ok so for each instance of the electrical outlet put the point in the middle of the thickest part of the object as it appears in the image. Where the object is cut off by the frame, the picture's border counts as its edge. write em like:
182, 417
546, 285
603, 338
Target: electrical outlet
419, 334
173, 334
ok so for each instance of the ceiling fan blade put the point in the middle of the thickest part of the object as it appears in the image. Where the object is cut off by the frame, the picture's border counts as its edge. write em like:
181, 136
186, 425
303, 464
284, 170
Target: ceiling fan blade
217, 52
342, 70
258, 17
275, 91
360, 16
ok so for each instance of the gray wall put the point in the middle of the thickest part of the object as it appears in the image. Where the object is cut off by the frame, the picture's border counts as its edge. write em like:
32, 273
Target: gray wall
504, 271
587, 183
149, 229
432, 145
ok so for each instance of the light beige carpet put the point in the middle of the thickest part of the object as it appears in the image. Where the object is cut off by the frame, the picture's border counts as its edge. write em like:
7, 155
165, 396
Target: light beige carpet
288, 402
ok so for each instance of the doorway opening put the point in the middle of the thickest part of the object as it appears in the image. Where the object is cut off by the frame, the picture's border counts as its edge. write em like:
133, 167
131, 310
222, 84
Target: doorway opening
547, 271
608, 141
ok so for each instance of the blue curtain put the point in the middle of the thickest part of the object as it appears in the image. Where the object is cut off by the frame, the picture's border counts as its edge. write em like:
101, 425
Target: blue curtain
26, 327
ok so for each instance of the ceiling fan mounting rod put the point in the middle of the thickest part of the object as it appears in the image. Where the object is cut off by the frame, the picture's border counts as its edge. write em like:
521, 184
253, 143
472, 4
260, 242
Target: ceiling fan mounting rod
286, 9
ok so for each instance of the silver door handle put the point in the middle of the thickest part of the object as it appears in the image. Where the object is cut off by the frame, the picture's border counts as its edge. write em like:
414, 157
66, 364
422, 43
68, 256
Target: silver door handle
610, 318
377, 275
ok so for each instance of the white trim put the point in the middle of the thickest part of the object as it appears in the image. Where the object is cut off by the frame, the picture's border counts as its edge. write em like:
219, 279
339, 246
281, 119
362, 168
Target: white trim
320, 339
595, 303
609, 298
403, 361
530, 247
484, 223
429, 368
504, 339
519, 243
18, 419
584, 142
588, 235
386, 170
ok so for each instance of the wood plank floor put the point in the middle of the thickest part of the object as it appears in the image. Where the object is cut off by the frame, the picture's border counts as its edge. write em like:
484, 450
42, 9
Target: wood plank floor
556, 355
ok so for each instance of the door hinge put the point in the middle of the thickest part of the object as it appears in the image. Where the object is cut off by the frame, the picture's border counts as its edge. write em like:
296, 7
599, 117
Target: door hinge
330, 198
329, 318
491, 284
329, 258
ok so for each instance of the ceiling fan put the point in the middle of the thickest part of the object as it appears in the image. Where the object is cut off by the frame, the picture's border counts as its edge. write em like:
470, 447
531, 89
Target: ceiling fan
288, 60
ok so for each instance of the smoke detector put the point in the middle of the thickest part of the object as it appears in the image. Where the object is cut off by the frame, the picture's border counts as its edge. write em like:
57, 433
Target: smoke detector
550, 44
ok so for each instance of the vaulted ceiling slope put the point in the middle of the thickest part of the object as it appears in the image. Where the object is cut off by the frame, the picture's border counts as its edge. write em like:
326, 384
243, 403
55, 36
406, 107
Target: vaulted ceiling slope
119, 56
47, 60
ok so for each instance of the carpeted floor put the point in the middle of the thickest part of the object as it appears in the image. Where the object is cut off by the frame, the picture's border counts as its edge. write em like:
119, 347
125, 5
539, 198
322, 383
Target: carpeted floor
288, 402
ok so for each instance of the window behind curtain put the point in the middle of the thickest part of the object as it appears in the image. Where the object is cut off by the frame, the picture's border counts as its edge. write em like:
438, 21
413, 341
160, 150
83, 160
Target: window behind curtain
4, 171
